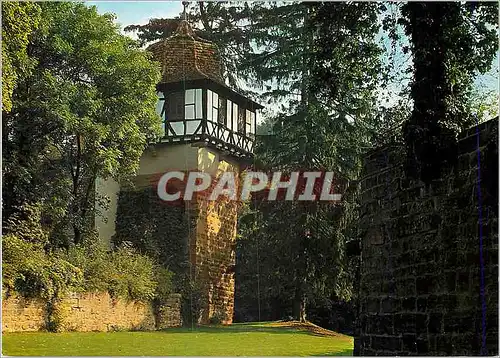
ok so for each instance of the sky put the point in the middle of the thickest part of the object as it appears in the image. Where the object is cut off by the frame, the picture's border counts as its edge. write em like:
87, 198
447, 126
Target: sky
131, 12
139, 12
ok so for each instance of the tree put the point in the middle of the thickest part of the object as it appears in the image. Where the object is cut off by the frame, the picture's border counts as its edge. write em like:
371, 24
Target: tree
19, 19
451, 43
327, 67
484, 104
87, 110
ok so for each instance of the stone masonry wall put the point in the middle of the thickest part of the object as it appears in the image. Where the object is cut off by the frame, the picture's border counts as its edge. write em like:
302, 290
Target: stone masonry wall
420, 285
213, 253
215, 258
90, 312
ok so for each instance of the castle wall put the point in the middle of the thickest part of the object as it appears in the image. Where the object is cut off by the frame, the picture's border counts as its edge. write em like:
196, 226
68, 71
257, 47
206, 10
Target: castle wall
420, 285
194, 239
214, 255
90, 312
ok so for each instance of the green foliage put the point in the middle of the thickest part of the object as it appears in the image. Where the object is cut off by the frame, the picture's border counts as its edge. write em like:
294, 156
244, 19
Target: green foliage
26, 267
451, 43
192, 301
15, 255
484, 105
90, 267
26, 223
87, 110
155, 229
94, 260
54, 315
132, 275
122, 272
19, 20
28, 270
326, 69
164, 284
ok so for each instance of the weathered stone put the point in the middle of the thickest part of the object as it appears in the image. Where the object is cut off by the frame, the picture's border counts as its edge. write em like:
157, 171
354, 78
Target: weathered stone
422, 281
94, 312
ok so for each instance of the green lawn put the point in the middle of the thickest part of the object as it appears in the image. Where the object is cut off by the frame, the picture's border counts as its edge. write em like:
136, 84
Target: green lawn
256, 339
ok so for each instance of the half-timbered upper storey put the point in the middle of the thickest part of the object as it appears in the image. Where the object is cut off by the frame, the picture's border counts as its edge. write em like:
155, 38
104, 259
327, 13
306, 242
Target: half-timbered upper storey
193, 100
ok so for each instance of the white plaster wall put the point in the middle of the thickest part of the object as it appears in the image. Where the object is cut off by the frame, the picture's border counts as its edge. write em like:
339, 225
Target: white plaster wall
105, 221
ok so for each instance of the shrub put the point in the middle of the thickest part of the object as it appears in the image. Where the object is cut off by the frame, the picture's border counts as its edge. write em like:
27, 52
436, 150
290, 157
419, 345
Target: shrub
94, 260
26, 225
132, 275
164, 286
124, 273
32, 272
28, 270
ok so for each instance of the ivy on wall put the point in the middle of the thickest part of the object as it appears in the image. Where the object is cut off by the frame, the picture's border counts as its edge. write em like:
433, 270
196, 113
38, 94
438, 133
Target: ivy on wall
157, 229
161, 231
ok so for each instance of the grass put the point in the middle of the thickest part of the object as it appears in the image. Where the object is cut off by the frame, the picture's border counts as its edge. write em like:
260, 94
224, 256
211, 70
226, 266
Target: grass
255, 339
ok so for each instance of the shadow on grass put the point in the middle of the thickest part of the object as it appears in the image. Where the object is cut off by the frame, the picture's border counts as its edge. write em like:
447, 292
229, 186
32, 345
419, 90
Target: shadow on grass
249, 328
231, 329
344, 353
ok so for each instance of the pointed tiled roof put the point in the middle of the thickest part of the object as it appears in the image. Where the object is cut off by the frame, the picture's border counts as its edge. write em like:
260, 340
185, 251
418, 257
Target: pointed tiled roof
185, 56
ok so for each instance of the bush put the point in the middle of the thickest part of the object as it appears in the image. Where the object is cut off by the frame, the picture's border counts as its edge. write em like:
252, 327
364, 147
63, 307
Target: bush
28, 270
164, 286
94, 260
124, 273
26, 225
90, 267
132, 275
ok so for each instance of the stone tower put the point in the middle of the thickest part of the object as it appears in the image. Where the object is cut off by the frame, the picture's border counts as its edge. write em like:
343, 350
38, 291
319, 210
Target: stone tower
207, 127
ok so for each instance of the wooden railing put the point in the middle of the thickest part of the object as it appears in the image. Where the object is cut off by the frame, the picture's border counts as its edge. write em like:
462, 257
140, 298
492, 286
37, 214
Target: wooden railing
213, 133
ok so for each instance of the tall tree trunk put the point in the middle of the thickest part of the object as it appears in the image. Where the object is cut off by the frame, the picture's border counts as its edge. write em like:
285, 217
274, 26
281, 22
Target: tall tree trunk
299, 305
77, 234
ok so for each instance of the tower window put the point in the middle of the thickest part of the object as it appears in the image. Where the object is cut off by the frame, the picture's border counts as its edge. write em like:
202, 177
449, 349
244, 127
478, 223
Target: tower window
232, 116
192, 104
234, 125
160, 109
160, 105
249, 122
174, 107
222, 111
241, 120
212, 106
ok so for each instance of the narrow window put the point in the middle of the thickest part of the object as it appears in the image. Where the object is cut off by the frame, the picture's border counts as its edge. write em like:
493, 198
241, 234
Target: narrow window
241, 120
174, 107
248, 121
234, 125
215, 107
192, 104
229, 114
193, 109
160, 104
212, 106
209, 105
189, 104
222, 111
160, 109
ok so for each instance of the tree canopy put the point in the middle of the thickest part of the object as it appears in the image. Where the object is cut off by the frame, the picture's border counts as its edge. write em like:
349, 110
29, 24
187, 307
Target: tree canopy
86, 110
451, 43
19, 20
